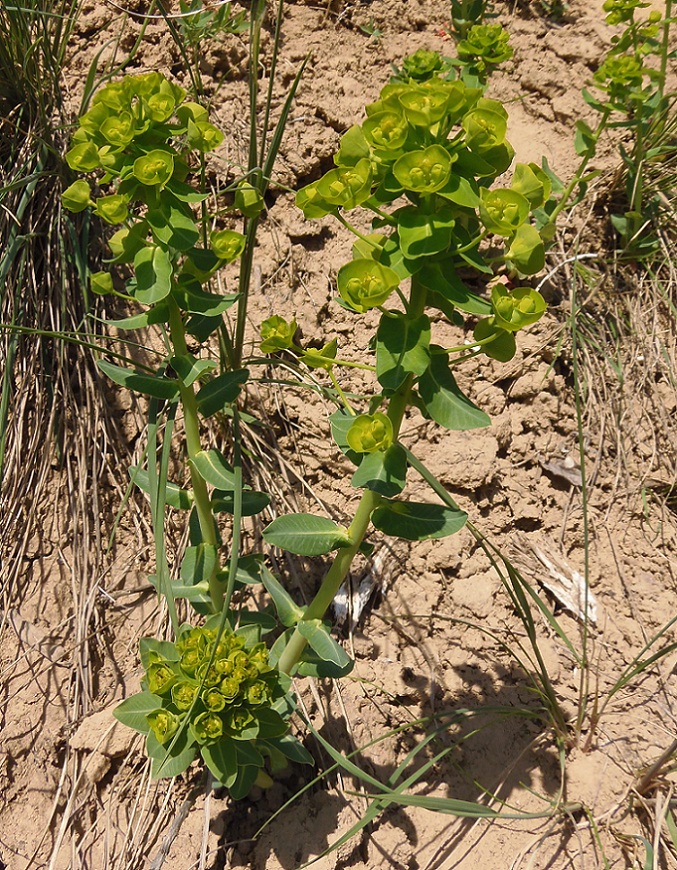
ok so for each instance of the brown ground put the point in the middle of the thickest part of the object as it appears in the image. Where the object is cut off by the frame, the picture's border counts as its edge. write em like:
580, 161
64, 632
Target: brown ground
442, 635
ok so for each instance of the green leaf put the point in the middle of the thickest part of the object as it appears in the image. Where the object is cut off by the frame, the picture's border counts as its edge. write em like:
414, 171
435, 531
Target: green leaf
172, 760
150, 647
221, 759
306, 534
153, 272
313, 665
319, 640
211, 465
244, 782
271, 724
173, 226
175, 497
184, 192
198, 563
422, 234
292, 749
341, 421
384, 473
190, 296
416, 521
190, 369
201, 327
220, 391
157, 314
444, 401
449, 285
132, 712
401, 349
287, 609
252, 502
526, 252
159, 388
248, 755
462, 191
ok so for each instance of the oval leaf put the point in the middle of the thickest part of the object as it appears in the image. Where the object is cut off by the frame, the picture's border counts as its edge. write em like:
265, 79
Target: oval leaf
444, 401
416, 521
306, 535
159, 388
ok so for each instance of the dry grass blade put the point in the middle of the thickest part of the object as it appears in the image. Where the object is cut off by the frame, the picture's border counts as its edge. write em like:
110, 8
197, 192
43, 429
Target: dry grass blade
58, 441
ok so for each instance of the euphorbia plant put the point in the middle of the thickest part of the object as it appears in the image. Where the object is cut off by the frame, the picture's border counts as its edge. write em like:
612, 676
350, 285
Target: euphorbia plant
424, 163
214, 690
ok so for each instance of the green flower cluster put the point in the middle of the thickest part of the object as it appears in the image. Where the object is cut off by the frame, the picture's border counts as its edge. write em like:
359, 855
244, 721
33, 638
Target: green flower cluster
439, 144
140, 136
219, 688
485, 46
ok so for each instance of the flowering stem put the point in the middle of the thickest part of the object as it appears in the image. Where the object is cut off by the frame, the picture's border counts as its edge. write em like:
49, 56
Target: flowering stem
193, 447
358, 528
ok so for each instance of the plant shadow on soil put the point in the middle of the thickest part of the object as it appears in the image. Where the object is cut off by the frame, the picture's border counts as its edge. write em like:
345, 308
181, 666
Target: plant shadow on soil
492, 747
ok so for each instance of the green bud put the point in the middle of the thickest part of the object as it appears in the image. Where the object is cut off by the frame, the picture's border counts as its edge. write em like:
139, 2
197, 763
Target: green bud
230, 688
160, 104
208, 675
486, 44
164, 724
532, 182
621, 11
502, 347
365, 284
258, 693
213, 700
208, 727
386, 131
113, 209
238, 719
83, 157
119, 129
192, 638
127, 242
77, 197
311, 203
503, 210
323, 358
191, 660
258, 655
422, 64
204, 136
370, 433
518, 308
101, 283
154, 168
347, 186
484, 129
116, 95
160, 678
191, 112
277, 334
618, 73
426, 104
425, 171
183, 695
227, 244
248, 201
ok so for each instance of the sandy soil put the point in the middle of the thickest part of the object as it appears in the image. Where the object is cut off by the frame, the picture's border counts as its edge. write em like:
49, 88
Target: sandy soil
440, 633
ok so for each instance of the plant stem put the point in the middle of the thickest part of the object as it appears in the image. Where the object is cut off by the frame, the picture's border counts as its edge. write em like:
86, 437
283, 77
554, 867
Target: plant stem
358, 528
193, 447
576, 180
333, 579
